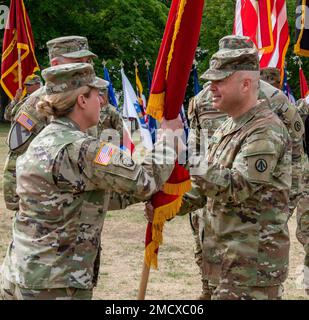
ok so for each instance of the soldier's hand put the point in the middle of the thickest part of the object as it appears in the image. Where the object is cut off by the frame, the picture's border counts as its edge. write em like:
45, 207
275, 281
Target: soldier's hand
174, 124
149, 212
18, 95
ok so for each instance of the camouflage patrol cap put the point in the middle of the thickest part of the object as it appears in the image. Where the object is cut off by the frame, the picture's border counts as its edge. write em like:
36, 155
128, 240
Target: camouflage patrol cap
271, 75
236, 53
67, 77
32, 79
69, 47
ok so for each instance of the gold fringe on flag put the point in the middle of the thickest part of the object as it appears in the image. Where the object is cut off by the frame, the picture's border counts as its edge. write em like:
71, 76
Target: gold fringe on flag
177, 189
161, 214
155, 107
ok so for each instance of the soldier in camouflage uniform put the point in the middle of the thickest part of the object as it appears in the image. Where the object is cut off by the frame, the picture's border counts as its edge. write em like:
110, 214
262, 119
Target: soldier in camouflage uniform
290, 116
246, 180
61, 180
202, 115
302, 231
32, 84
26, 121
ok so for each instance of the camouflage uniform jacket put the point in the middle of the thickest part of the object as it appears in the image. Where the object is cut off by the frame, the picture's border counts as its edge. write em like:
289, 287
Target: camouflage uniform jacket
110, 118
12, 106
247, 179
290, 116
56, 233
302, 231
26, 107
203, 116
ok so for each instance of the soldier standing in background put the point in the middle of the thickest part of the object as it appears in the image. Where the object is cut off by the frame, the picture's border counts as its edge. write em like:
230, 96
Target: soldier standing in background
32, 84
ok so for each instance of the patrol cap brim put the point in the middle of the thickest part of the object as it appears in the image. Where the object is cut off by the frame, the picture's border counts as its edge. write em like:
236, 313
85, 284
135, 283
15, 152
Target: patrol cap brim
79, 54
99, 83
216, 75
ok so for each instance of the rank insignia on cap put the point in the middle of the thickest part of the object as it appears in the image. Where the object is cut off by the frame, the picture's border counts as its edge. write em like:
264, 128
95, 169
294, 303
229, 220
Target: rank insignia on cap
25, 120
104, 155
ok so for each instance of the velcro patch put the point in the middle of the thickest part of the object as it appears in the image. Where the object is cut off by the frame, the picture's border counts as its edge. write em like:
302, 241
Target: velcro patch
25, 120
104, 155
260, 167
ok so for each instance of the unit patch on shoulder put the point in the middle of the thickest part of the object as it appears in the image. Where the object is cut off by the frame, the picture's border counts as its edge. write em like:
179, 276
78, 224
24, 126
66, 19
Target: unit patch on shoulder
261, 165
25, 120
104, 155
18, 136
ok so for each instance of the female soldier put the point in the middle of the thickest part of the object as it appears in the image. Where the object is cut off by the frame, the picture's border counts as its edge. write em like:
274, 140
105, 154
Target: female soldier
61, 181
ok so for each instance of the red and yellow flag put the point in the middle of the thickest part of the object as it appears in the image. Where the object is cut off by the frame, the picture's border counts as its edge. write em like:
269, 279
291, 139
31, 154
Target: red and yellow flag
167, 94
18, 37
304, 91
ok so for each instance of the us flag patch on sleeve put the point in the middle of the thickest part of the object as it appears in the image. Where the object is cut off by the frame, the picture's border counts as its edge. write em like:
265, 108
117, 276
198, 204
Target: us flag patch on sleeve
25, 120
104, 155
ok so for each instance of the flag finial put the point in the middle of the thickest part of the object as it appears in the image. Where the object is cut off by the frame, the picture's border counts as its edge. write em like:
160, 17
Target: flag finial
135, 63
104, 63
121, 64
147, 64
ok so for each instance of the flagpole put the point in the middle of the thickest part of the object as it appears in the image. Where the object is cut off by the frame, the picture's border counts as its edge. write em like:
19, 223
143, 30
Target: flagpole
19, 69
143, 283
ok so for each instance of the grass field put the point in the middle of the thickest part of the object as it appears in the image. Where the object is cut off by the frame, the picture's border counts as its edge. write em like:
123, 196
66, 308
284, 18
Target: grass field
122, 254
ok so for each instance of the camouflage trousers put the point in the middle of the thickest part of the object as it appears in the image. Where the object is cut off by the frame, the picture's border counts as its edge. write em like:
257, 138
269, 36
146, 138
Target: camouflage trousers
9, 182
11, 291
302, 231
197, 226
228, 292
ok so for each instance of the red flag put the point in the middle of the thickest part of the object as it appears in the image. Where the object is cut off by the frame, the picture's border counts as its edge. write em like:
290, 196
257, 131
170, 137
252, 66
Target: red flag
265, 22
304, 91
17, 36
168, 89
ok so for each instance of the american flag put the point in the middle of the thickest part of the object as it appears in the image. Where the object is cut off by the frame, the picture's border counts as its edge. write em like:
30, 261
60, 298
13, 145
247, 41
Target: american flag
104, 155
286, 88
26, 121
265, 22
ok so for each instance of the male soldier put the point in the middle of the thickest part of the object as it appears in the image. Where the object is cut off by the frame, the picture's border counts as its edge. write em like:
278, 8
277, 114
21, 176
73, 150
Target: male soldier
302, 231
290, 116
202, 115
32, 84
246, 180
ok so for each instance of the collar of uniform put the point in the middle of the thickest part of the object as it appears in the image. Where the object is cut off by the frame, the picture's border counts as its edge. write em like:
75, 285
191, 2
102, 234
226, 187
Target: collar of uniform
243, 119
66, 122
